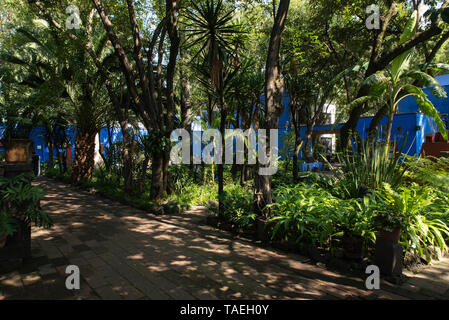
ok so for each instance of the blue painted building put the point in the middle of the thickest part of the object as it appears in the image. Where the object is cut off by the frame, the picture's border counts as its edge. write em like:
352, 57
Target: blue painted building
420, 131
418, 128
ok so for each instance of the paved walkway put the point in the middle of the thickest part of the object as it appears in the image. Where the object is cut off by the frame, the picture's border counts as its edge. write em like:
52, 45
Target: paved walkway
124, 253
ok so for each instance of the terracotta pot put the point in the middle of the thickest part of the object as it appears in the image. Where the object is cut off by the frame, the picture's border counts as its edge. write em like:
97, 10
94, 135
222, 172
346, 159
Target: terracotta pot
18, 151
390, 236
2, 240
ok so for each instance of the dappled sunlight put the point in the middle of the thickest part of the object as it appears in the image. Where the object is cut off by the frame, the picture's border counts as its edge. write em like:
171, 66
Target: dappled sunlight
181, 263
184, 259
136, 257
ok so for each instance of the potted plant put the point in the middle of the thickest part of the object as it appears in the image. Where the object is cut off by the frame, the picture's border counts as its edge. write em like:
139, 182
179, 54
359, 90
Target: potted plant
391, 216
7, 227
19, 208
15, 139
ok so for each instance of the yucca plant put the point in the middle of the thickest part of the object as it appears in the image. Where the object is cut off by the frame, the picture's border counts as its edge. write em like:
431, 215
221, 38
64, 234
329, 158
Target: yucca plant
211, 27
367, 169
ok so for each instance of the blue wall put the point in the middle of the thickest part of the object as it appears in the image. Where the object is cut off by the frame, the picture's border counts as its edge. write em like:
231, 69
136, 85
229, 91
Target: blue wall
40, 147
442, 105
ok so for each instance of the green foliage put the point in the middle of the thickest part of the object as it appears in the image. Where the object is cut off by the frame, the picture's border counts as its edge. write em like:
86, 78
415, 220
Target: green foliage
429, 171
413, 209
181, 177
309, 214
367, 169
20, 200
238, 207
401, 63
8, 225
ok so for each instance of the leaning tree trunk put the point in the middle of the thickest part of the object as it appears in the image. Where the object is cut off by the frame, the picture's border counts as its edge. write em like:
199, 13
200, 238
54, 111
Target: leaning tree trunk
374, 125
274, 105
83, 165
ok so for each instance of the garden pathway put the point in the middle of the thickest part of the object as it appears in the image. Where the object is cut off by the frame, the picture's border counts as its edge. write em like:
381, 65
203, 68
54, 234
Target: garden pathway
124, 253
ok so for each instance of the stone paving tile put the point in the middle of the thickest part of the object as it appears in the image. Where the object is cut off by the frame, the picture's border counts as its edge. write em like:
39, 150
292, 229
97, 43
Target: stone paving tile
124, 253
108, 293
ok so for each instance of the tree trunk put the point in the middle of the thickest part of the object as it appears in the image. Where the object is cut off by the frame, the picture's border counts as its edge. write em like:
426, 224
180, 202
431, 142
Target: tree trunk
84, 162
129, 146
157, 191
168, 186
143, 174
274, 105
59, 156
64, 160
295, 168
220, 165
374, 125
50, 155
389, 129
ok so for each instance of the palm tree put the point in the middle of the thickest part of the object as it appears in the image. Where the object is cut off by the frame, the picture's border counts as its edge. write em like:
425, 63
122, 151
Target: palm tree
58, 75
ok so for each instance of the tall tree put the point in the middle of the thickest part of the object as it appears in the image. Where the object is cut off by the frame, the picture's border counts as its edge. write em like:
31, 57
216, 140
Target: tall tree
145, 87
274, 86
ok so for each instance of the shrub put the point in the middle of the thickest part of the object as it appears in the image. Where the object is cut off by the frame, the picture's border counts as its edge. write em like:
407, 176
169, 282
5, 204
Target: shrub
309, 214
414, 209
238, 207
20, 200
429, 171
367, 169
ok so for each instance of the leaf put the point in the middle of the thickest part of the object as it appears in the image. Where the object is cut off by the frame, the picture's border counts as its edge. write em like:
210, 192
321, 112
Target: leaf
427, 107
436, 67
358, 102
401, 62
377, 83
445, 15
428, 81
41, 23
353, 69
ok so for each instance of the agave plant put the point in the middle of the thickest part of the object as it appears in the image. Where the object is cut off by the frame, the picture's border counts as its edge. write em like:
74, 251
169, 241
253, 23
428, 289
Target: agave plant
402, 81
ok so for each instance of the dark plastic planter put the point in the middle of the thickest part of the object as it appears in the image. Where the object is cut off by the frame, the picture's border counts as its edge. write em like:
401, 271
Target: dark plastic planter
17, 248
388, 256
352, 247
